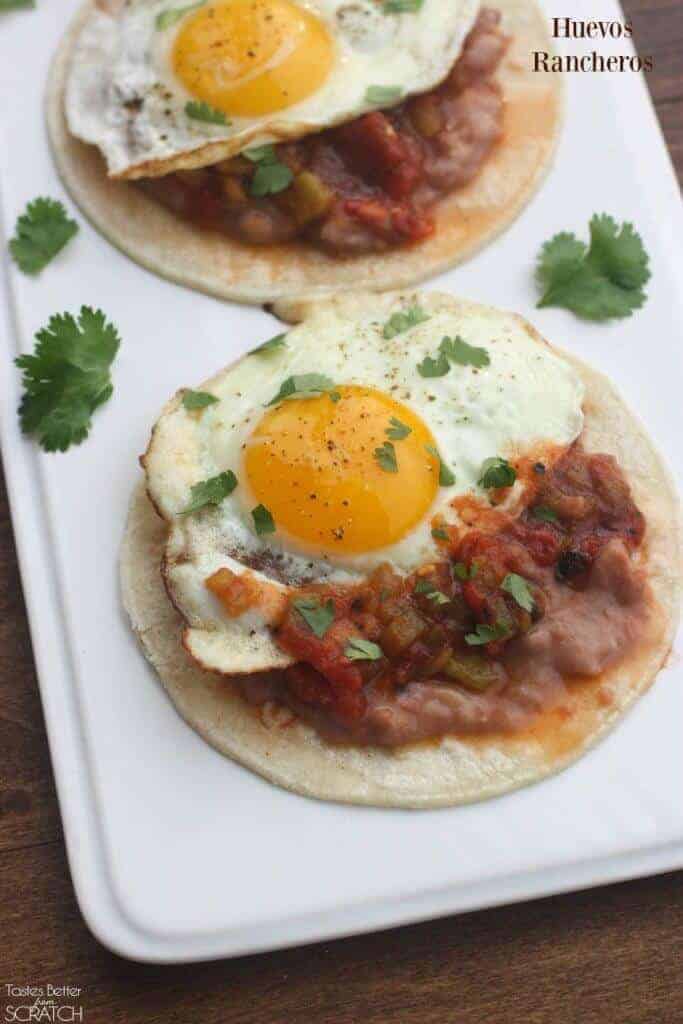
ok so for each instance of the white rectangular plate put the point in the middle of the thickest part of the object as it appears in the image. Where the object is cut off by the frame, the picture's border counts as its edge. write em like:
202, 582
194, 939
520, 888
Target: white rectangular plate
177, 853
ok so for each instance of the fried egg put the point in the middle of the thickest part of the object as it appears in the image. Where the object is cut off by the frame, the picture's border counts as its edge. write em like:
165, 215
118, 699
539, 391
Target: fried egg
354, 465
265, 70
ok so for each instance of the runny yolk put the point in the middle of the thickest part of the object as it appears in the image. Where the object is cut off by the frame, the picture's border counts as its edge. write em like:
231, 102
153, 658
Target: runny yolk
312, 463
251, 57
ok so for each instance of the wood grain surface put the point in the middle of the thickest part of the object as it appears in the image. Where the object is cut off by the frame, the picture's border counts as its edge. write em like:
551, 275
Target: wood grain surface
607, 956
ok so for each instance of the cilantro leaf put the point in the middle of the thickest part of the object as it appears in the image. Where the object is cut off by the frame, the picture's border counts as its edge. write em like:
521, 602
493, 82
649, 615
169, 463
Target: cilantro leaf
198, 110
484, 634
452, 350
544, 514
270, 179
463, 573
193, 400
430, 591
271, 176
165, 19
439, 533
381, 95
385, 456
497, 472
67, 378
437, 367
210, 492
360, 649
263, 520
458, 351
41, 232
402, 6
16, 5
272, 345
597, 282
396, 430
318, 617
518, 588
398, 323
446, 475
261, 154
304, 384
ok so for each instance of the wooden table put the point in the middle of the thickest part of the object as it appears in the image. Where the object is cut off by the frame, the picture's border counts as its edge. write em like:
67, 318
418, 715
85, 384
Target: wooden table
610, 956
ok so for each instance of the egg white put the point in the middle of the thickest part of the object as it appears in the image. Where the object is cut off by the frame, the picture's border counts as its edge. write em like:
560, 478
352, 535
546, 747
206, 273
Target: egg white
123, 96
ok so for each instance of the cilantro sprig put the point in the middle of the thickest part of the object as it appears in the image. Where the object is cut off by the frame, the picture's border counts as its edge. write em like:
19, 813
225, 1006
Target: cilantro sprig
42, 231
397, 430
485, 634
271, 176
275, 344
599, 281
198, 110
67, 378
317, 616
497, 472
431, 592
305, 384
519, 589
194, 400
360, 649
400, 322
210, 492
385, 457
453, 350
263, 520
402, 6
446, 474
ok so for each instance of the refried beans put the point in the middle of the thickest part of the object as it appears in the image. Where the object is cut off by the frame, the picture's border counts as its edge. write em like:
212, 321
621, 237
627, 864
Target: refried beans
368, 185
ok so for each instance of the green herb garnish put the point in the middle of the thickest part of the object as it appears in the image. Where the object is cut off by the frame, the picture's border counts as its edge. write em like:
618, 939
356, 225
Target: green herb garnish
272, 345
497, 472
599, 281
463, 573
16, 5
402, 6
165, 19
452, 350
193, 400
484, 634
305, 384
318, 617
385, 456
210, 492
446, 475
360, 649
263, 520
396, 430
518, 588
67, 378
458, 351
439, 533
381, 95
41, 232
398, 323
271, 176
430, 591
434, 367
198, 110
544, 513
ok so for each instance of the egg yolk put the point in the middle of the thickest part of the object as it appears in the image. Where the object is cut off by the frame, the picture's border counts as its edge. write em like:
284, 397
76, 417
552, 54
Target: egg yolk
316, 464
251, 57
